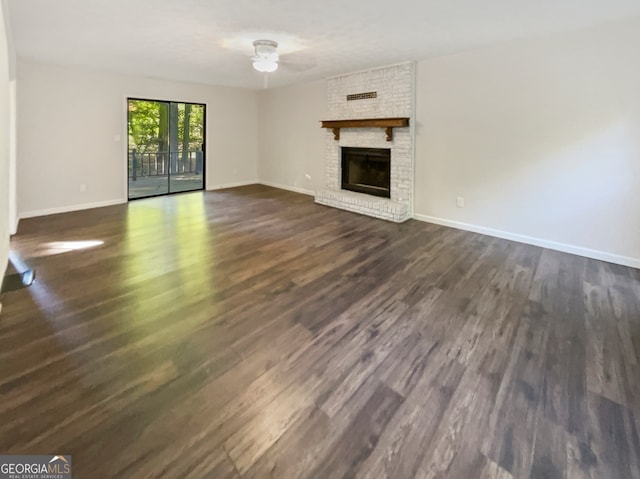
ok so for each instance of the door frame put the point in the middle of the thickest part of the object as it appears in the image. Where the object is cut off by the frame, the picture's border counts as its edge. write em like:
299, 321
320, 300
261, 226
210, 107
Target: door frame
126, 147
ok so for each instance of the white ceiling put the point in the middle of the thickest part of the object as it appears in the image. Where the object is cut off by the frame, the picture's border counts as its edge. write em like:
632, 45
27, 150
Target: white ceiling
209, 41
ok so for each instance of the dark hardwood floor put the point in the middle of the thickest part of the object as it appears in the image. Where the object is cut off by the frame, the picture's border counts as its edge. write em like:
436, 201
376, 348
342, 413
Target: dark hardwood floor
249, 333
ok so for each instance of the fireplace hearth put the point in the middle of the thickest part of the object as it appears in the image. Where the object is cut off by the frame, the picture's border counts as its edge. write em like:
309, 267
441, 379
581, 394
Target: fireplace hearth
367, 170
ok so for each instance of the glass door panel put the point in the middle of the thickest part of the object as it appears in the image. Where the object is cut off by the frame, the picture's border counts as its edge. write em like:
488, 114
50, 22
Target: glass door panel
187, 154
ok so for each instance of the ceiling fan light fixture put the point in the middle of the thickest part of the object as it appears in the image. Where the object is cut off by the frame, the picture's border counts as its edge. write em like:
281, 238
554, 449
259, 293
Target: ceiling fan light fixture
266, 58
265, 66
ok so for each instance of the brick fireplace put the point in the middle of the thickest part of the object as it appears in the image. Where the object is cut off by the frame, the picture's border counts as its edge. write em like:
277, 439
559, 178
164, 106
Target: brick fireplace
383, 93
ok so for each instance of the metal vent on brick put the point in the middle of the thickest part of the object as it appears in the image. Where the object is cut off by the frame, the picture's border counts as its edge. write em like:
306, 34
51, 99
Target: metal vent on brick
362, 96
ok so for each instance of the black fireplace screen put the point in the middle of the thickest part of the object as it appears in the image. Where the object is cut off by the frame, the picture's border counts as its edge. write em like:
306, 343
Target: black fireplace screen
367, 170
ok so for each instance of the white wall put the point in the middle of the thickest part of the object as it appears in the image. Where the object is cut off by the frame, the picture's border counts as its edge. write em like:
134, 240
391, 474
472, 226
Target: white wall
291, 142
541, 137
11, 52
13, 156
5, 126
68, 120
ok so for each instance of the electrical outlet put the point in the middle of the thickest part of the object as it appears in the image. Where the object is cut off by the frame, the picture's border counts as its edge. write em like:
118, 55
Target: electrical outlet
460, 202
83, 187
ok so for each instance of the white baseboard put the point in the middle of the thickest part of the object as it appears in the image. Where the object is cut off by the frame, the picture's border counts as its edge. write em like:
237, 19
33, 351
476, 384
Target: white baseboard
232, 185
565, 248
261, 182
99, 204
288, 188
67, 209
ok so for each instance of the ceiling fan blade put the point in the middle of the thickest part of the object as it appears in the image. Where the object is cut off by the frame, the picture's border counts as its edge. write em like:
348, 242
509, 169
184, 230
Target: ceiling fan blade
297, 67
297, 62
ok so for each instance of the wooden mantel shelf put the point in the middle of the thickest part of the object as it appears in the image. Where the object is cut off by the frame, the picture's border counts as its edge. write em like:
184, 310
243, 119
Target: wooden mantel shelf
387, 123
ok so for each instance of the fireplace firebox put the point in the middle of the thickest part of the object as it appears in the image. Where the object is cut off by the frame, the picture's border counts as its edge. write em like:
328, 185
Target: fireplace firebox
367, 170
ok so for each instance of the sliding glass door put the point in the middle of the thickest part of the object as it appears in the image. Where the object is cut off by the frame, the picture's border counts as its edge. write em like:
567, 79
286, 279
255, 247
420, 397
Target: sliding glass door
166, 145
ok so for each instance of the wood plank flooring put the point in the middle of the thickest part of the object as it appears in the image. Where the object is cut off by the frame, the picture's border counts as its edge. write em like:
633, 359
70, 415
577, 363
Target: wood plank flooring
249, 333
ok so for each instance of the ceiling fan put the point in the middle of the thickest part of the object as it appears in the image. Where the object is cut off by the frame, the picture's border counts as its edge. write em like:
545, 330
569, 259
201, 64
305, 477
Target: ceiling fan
266, 59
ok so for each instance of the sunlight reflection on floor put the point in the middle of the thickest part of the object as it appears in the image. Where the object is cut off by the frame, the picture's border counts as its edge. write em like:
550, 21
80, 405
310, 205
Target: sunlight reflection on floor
59, 247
